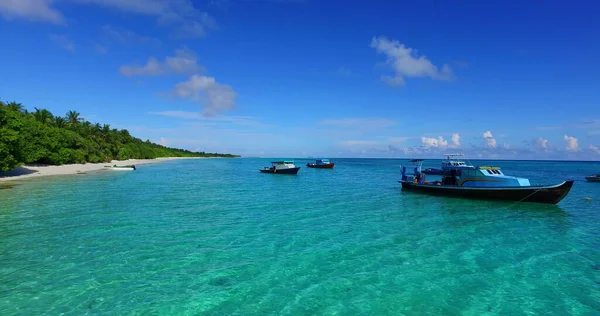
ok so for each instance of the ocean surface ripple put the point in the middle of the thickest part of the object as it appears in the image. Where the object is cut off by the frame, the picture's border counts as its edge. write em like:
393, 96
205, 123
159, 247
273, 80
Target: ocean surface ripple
216, 237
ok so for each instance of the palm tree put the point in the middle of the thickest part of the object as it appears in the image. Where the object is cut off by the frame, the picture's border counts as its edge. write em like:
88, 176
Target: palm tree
43, 116
73, 117
87, 128
15, 106
125, 136
60, 122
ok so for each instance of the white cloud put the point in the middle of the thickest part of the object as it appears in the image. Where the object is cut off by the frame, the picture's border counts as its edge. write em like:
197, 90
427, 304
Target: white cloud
362, 123
162, 141
595, 149
430, 142
572, 144
405, 62
62, 41
184, 62
541, 143
491, 141
207, 92
33, 10
506, 146
193, 29
455, 140
127, 37
181, 13
203, 90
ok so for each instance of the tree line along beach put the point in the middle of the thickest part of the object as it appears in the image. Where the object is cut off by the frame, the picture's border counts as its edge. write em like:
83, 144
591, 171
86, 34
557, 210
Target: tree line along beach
38, 143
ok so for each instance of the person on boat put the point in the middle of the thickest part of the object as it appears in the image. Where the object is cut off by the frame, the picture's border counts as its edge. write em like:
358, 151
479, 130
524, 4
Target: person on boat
452, 179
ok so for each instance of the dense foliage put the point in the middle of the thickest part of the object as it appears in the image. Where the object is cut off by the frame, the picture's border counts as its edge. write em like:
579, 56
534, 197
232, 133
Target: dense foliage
42, 138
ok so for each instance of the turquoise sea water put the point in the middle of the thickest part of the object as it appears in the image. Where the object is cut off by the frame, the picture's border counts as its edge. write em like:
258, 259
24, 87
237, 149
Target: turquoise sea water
216, 237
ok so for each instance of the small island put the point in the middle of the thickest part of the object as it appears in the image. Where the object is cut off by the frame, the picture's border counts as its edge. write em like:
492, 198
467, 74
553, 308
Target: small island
40, 138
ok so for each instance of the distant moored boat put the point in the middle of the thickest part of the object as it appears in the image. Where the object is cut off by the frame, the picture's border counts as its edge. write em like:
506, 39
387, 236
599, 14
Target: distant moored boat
281, 167
321, 164
594, 178
121, 168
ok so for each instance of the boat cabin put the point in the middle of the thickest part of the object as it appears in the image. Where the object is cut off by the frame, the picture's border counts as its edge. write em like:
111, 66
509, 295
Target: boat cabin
284, 164
322, 161
454, 163
462, 173
483, 176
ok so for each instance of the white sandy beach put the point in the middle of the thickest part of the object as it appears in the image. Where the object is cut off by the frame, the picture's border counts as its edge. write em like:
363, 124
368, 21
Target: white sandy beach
27, 172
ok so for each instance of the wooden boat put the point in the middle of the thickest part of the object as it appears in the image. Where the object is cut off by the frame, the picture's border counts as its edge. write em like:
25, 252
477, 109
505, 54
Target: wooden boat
483, 183
594, 178
281, 167
321, 164
121, 168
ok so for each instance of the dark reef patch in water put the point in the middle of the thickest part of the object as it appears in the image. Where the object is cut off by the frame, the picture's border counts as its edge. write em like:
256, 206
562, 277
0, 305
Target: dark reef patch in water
221, 281
6, 186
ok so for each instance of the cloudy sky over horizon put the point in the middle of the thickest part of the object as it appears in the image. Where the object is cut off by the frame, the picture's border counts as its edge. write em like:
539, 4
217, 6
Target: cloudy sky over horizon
296, 78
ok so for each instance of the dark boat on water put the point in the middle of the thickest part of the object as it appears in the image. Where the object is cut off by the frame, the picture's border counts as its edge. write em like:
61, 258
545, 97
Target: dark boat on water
594, 178
281, 167
321, 164
482, 183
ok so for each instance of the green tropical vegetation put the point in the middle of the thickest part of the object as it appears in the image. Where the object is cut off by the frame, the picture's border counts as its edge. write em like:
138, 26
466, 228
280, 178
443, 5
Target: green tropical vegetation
39, 137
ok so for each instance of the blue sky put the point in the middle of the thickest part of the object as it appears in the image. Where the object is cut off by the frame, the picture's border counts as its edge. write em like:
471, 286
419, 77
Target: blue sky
494, 79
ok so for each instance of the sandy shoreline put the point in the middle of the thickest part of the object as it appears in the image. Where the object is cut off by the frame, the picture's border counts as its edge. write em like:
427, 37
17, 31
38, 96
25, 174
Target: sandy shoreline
28, 172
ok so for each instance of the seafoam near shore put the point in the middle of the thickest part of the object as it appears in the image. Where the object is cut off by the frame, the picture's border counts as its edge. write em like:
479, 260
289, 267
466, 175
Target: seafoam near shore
27, 172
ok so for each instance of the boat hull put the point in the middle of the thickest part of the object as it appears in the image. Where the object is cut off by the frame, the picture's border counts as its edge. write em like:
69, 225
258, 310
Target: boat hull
280, 171
592, 179
550, 194
327, 166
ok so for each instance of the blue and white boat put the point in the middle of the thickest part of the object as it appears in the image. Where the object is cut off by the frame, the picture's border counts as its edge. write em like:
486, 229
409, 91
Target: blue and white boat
281, 167
460, 178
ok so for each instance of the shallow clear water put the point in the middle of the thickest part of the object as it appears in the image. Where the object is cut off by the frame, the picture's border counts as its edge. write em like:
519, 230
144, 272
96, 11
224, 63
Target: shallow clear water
215, 236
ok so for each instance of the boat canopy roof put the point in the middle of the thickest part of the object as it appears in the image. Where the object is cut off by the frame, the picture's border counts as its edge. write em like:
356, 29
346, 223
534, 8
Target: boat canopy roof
453, 155
416, 160
489, 168
281, 162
